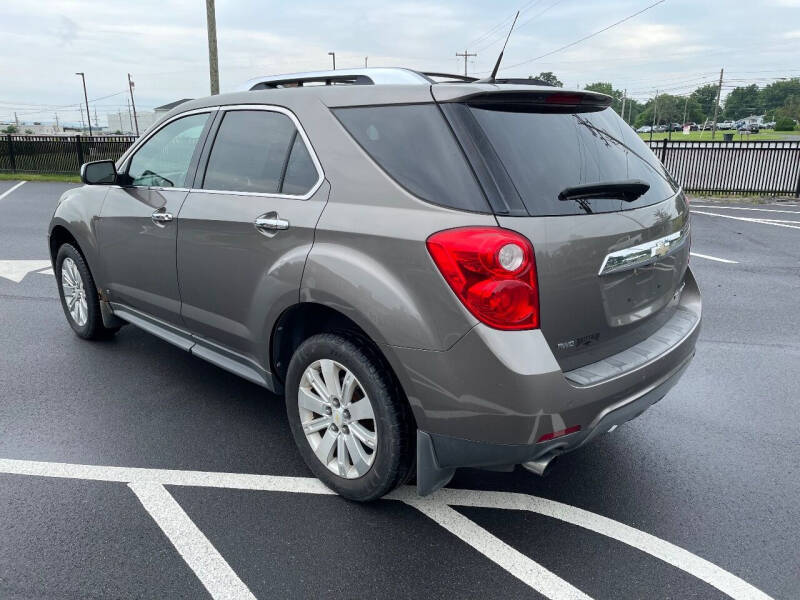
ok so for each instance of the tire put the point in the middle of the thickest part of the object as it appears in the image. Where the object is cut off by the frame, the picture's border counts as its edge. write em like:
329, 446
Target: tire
392, 460
87, 323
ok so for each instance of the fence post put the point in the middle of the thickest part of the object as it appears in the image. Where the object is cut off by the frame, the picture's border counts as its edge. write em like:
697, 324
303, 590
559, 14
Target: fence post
11, 157
664, 151
79, 149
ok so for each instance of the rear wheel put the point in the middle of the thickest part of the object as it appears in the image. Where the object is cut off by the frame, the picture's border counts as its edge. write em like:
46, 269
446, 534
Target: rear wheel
78, 293
349, 419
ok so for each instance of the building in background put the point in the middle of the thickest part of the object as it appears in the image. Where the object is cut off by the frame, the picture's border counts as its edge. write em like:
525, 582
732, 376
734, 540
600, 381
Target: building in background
34, 128
122, 120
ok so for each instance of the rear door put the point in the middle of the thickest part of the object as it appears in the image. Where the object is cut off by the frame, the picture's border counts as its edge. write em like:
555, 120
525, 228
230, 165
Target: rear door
137, 229
608, 270
246, 229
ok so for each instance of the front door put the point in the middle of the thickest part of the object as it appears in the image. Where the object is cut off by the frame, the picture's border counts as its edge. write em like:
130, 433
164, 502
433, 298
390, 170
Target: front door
137, 229
243, 236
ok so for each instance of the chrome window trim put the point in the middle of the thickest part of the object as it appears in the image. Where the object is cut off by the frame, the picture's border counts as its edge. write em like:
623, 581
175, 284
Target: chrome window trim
643, 254
123, 160
303, 136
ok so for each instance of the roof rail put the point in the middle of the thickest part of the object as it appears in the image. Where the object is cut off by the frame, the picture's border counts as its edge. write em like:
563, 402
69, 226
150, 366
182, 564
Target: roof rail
365, 76
459, 78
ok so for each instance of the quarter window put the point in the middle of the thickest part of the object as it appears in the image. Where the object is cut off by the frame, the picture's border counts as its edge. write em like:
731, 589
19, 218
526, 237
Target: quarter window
164, 159
259, 151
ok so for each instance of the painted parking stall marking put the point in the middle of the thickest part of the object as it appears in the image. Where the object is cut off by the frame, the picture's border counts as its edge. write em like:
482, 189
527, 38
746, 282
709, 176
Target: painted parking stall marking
17, 270
714, 258
8, 191
775, 222
222, 582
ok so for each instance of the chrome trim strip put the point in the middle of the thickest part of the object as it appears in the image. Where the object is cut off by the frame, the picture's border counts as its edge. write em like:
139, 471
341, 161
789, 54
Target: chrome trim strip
643, 254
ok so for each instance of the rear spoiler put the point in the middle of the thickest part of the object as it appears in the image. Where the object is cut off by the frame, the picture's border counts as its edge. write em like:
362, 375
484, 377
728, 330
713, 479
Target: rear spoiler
530, 100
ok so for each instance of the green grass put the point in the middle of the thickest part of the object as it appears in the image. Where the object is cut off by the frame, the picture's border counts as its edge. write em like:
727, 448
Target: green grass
705, 136
40, 177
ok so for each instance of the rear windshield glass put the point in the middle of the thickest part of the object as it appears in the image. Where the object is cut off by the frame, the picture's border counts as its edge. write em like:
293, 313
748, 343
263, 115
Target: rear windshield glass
414, 145
544, 153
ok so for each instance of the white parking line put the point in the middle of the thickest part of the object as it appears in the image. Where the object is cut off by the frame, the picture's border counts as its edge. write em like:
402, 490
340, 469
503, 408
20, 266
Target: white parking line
16, 270
751, 220
707, 257
774, 210
525, 569
8, 191
213, 571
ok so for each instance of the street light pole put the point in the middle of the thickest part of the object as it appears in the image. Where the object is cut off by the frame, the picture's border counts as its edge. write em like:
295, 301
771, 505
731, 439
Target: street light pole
333, 54
86, 98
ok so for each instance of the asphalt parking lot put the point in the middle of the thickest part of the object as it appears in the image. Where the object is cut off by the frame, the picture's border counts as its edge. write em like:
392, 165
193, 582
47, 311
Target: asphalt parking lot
130, 469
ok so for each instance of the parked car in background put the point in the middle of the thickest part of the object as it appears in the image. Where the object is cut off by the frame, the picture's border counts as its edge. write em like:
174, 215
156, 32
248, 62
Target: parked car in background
692, 126
433, 276
644, 129
769, 125
747, 128
675, 127
725, 125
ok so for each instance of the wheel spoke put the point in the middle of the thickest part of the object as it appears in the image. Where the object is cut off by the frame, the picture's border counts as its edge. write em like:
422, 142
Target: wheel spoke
367, 437
316, 424
361, 410
330, 373
324, 451
359, 458
311, 402
318, 385
341, 455
349, 385
72, 300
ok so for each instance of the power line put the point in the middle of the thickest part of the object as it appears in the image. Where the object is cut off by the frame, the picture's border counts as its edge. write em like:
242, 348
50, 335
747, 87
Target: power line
586, 37
500, 26
533, 18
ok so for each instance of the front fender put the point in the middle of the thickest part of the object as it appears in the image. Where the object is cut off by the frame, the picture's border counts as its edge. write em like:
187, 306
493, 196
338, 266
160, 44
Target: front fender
78, 211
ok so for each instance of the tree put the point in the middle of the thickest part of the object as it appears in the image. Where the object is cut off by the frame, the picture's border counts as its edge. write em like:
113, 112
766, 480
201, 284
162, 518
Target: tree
706, 98
776, 94
29, 131
743, 102
549, 78
669, 109
790, 108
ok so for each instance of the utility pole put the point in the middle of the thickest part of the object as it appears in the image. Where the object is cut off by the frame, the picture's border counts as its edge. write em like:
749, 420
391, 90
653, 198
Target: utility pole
655, 107
96, 126
16, 120
56, 115
213, 65
365, 61
685, 105
119, 114
466, 56
716, 106
333, 55
83, 125
624, 97
86, 98
130, 117
135, 118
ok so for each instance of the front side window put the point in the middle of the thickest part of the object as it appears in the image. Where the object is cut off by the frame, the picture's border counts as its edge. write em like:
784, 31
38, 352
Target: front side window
164, 159
259, 151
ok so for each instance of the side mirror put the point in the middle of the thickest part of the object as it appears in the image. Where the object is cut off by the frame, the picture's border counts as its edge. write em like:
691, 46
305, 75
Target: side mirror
100, 172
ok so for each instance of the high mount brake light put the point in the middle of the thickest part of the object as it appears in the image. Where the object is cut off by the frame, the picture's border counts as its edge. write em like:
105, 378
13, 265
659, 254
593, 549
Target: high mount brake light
493, 273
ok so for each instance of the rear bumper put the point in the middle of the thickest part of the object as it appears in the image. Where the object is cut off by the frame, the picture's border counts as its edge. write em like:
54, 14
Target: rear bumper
438, 456
486, 401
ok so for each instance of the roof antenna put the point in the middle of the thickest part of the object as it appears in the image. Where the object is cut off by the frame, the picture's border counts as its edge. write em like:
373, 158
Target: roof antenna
491, 77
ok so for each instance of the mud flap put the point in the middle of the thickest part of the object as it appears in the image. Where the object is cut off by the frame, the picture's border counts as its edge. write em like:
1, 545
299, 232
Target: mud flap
430, 476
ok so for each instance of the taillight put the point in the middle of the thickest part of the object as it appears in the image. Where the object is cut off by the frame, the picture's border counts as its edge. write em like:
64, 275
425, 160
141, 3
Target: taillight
557, 434
493, 273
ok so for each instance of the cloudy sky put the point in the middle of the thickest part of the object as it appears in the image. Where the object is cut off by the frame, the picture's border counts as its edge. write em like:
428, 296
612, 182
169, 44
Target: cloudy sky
675, 45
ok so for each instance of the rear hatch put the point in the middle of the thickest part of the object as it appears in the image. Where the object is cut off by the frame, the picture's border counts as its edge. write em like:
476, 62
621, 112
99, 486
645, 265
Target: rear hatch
609, 226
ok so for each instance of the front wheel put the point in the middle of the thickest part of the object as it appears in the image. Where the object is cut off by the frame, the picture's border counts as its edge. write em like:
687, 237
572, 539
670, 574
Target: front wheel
349, 419
78, 294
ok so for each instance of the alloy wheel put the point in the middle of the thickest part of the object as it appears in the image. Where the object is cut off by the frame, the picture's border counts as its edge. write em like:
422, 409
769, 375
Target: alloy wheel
74, 292
337, 418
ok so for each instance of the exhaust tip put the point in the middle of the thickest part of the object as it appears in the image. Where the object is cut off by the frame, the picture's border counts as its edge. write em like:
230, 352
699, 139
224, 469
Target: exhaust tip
539, 466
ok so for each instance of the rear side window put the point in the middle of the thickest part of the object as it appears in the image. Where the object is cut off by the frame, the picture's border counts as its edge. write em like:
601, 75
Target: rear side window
544, 153
414, 145
259, 151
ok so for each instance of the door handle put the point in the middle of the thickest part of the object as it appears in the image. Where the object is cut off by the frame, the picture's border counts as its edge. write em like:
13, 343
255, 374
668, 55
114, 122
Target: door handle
161, 216
270, 222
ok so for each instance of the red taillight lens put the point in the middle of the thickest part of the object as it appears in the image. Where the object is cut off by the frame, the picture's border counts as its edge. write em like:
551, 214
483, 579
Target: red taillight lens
493, 273
560, 433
